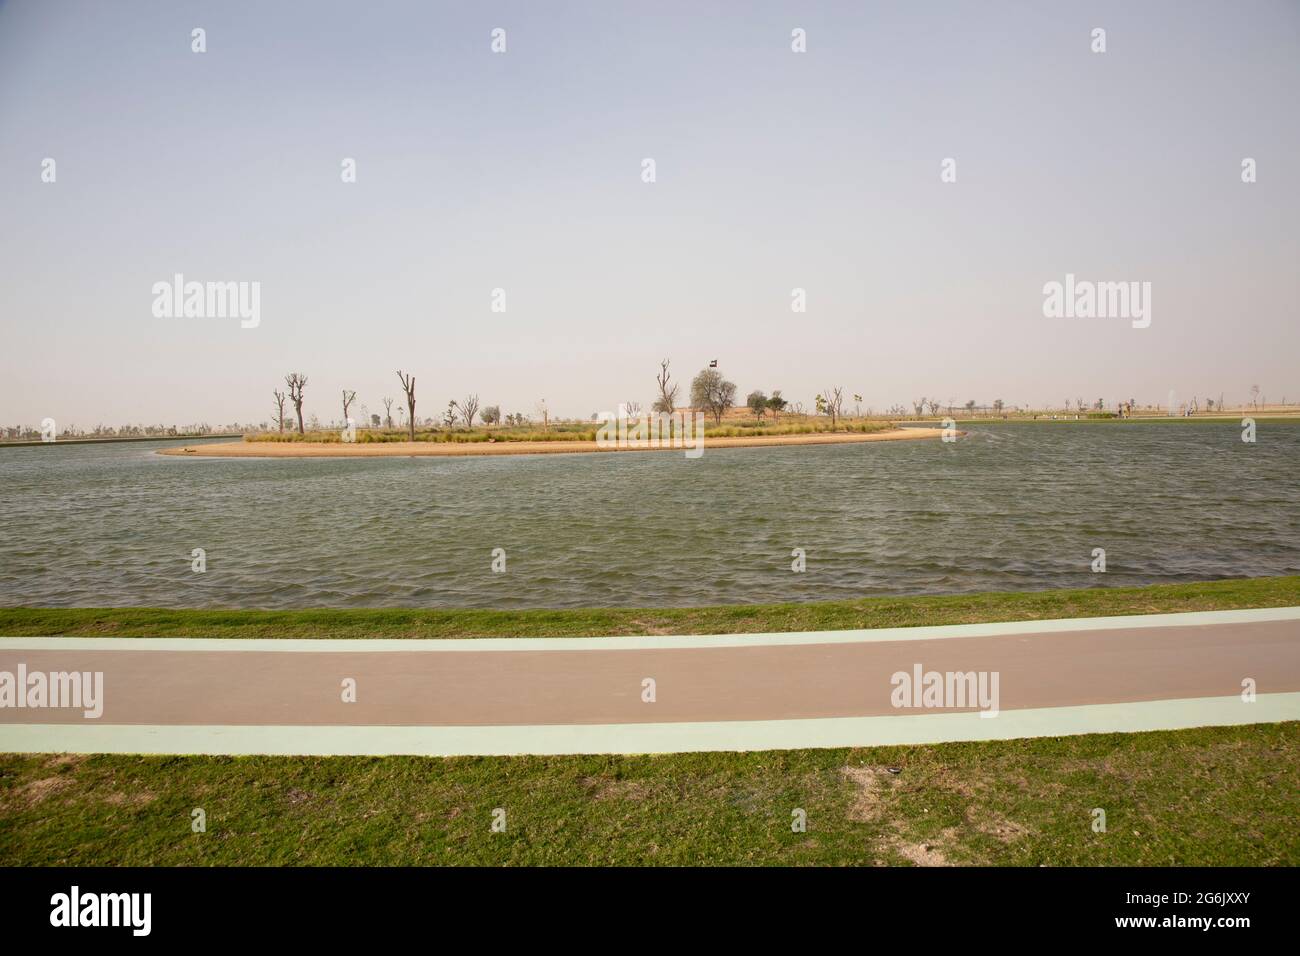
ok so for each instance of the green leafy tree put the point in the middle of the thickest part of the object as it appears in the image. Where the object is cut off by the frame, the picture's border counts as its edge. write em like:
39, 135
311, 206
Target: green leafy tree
712, 393
777, 404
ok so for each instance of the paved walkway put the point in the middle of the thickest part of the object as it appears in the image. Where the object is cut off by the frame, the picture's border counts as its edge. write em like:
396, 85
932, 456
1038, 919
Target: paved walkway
732, 692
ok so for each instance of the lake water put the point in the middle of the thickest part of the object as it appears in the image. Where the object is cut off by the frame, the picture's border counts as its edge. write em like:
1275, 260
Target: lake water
1010, 507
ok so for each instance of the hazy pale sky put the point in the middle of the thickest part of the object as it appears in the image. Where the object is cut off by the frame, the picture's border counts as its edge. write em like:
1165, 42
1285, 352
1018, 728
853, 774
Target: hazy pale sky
522, 171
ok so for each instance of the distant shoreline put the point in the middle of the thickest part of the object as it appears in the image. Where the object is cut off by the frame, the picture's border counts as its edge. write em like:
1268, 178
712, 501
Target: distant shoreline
116, 438
406, 449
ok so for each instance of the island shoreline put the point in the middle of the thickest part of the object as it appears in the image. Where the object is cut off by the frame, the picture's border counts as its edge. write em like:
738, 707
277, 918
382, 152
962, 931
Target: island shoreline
406, 449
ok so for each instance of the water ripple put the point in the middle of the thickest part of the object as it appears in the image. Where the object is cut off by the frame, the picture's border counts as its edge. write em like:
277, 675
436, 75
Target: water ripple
1014, 507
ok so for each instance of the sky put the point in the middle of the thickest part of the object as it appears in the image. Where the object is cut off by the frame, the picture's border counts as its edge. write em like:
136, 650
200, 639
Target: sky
523, 171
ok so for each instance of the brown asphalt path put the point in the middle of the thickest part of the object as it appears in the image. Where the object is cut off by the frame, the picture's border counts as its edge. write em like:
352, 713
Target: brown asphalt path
604, 686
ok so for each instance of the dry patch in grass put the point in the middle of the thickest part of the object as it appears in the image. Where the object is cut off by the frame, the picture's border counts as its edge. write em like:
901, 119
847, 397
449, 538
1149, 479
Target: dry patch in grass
867, 799
930, 853
36, 791
874, 790
64, 760
605, 788
995, 824
873, 785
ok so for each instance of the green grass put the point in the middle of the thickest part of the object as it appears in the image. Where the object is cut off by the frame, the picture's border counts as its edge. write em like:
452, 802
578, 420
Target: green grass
726, 619
1213, 796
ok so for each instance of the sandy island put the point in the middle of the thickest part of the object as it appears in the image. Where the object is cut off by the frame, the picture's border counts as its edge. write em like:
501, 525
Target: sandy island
406, 449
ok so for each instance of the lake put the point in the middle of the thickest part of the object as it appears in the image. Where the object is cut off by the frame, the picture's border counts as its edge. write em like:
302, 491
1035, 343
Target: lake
1017, 506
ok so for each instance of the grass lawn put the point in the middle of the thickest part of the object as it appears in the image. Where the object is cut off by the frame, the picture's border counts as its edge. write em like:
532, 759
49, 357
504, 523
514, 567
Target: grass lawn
729, 619
1223, 795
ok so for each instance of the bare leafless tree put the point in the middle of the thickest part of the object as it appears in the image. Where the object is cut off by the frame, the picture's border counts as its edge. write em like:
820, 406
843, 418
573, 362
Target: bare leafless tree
279, 407
468, 409
934, 406
667, 400
348, 398
834, 403
408, 386
296, 382
388, 413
